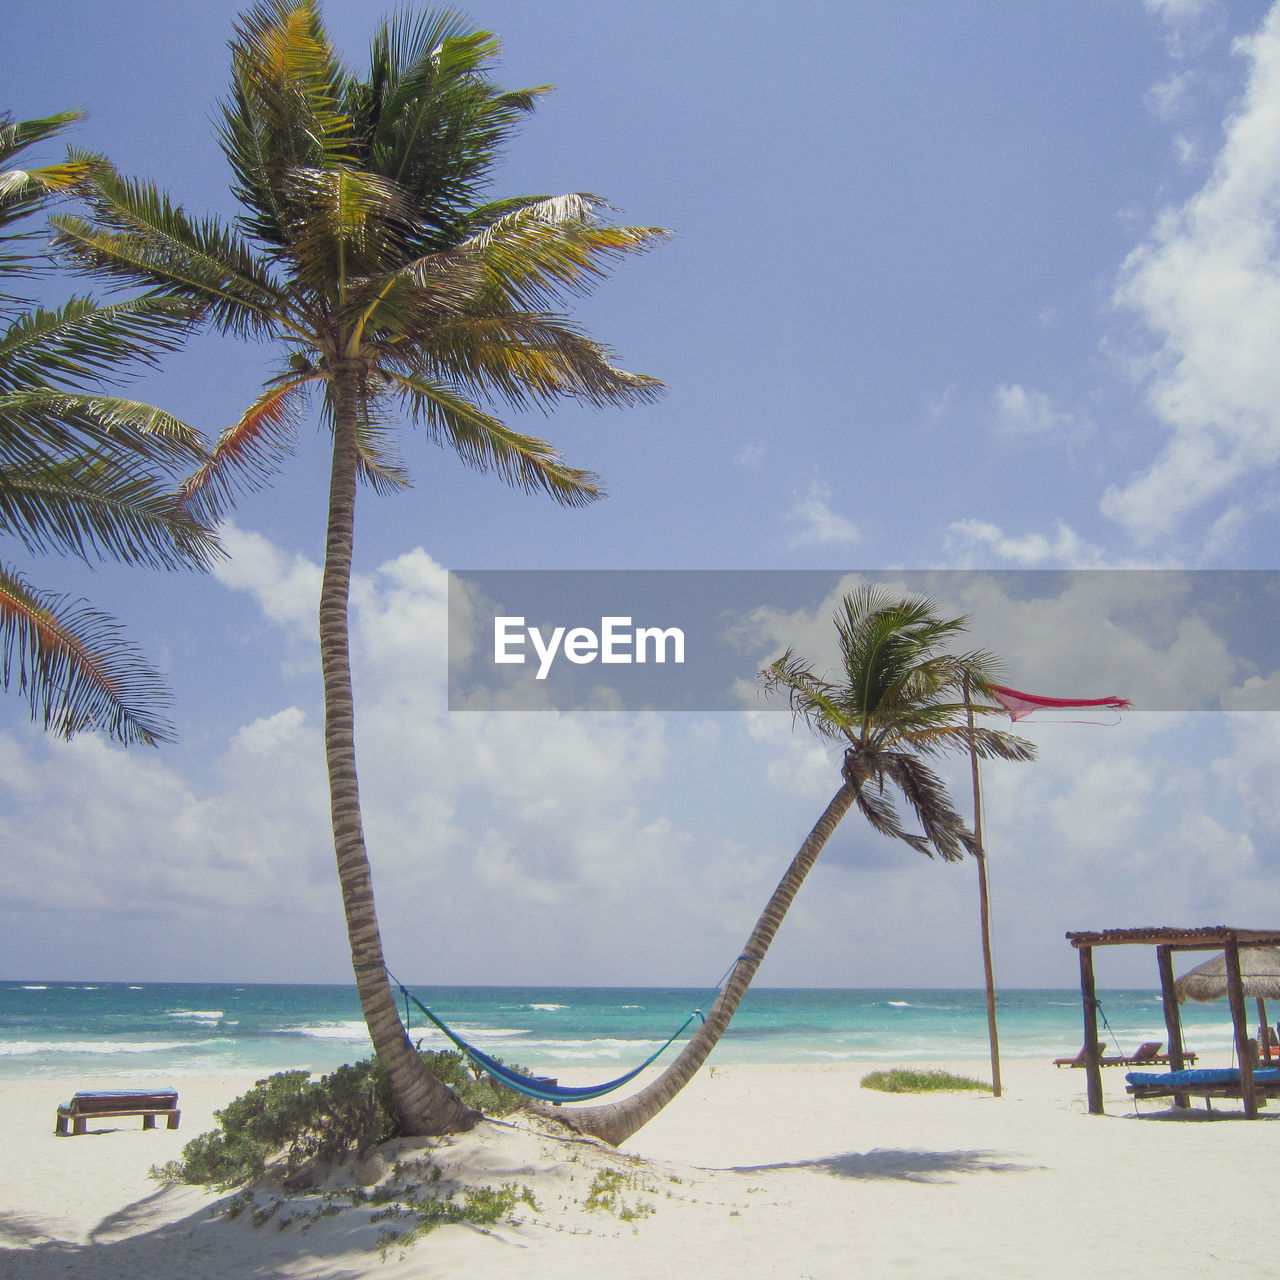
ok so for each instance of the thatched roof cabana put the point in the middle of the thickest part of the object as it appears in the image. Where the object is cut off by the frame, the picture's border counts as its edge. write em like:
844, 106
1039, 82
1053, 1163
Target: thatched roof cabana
1259, 978
1259, 972
1233, 943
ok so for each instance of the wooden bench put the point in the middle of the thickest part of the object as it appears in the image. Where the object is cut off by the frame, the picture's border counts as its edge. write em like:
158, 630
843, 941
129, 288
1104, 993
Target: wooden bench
74, 1116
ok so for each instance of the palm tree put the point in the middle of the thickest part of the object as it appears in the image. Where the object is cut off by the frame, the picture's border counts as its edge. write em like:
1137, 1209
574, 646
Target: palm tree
363, 251
82, 472
899, 699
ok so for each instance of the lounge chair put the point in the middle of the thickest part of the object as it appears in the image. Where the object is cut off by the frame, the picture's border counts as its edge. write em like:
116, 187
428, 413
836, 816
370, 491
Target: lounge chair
1081, 1060
1148, 1054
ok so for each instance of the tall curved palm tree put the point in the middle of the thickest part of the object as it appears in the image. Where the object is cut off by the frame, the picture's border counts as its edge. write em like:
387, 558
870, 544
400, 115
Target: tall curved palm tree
365, 253
82, 472
899, 699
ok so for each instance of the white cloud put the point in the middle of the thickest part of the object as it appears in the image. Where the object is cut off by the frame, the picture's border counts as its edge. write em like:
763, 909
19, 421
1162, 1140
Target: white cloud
1169, 97
621, 848
969, 541
286, 588
1022, 412
751, 455
817, 524
1178, 11
1206, 285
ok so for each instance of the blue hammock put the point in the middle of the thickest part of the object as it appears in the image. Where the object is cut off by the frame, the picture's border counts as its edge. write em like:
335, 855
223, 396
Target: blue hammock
532, 1088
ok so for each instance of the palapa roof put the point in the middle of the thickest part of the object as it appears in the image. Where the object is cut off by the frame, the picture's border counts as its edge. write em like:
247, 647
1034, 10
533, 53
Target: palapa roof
1178, 938
1259, 976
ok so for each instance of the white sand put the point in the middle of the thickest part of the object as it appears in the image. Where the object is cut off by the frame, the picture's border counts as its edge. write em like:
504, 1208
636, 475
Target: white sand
753, 1171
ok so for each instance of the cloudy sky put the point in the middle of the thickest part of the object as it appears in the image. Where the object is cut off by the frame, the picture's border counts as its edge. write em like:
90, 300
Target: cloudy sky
951, 285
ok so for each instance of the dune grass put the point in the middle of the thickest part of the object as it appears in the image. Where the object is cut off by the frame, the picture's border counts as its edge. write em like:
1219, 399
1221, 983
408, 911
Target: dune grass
904, 1080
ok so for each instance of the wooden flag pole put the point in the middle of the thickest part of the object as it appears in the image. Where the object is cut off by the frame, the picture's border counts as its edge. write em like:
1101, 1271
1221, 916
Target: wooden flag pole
984, 901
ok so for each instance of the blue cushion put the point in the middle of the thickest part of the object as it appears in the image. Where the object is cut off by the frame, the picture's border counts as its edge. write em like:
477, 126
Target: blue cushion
1202, 1075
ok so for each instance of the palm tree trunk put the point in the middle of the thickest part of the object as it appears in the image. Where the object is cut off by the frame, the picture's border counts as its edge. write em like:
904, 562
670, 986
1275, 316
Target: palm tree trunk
424, 1105
617, 1121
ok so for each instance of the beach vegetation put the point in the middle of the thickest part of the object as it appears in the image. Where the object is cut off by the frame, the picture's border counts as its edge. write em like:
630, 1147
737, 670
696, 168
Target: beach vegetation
605, 1195
289, 1121
84, 471
415, 1217
902, 695
906, 1080
371, 256
403, 1212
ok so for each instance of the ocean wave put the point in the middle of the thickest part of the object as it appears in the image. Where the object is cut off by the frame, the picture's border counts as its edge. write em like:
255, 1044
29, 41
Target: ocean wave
352, 1030
355, 1030
564, 1056
199, 1015
31, 986
547, 1008
606, 1046
25, 1048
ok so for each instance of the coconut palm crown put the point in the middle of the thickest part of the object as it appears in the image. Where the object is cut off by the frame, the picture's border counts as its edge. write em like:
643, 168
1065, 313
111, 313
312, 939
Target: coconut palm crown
84, 472
366, 253
901, 696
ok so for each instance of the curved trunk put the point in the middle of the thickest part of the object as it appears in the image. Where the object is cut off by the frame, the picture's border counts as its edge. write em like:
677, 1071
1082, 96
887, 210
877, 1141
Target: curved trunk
424, 1105
617, 1121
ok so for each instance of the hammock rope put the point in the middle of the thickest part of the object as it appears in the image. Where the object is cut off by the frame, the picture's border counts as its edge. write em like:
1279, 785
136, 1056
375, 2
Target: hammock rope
527, 1085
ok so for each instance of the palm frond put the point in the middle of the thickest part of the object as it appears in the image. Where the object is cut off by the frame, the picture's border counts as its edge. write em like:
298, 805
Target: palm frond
434, 120
82, 340
95, 509
989, 744
527, 360
41, 426
23, 191
404, 305
816, 701
284, 114
537, 257
347, 224
944, 829
138, 237
486, 444
250, 450
75, 669
879, 811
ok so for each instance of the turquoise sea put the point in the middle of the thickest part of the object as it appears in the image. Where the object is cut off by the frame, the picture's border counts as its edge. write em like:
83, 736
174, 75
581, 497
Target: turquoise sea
110, 1029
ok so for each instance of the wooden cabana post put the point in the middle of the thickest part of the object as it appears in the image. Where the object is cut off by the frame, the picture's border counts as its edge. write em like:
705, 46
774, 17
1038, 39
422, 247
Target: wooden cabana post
1172, 1018
1240, 1021
1092, 1057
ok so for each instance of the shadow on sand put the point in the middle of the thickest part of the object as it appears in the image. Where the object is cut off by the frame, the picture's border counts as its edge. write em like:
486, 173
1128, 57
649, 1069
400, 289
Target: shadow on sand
193, 1247
900, 1165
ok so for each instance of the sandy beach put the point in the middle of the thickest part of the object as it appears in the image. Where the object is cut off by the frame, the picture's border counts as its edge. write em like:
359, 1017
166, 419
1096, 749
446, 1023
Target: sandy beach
752, 1171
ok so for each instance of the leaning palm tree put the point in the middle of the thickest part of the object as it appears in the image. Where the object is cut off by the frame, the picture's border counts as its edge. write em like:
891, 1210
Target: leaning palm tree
365, 254
899, 699
82, 472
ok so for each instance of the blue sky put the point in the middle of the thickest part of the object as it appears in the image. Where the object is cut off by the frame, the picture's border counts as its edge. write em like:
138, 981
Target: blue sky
950, 285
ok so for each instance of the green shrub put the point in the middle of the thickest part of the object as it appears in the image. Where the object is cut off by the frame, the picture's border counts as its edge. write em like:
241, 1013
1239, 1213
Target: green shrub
289, 1114
902, 1080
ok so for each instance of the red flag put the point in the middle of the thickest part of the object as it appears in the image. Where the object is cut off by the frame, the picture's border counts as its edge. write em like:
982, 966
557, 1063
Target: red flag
1021, 705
